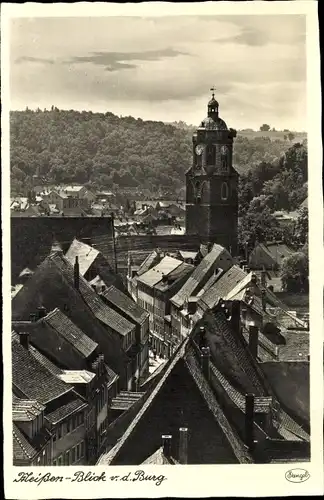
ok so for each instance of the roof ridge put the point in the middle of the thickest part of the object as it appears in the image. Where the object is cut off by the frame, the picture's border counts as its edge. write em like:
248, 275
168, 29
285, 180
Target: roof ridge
20, 443
168, 369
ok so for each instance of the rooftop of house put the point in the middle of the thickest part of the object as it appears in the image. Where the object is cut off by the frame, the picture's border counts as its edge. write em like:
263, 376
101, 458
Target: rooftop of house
63, 326
76, 376
53, 284
158, 458
85, 253
194, 282
178, 273
75, 404
222, 286
125, 304
25, 449
24, 410
156, 273
185, 254
233, 369
292, 346
184, 357
149, 261
31, 379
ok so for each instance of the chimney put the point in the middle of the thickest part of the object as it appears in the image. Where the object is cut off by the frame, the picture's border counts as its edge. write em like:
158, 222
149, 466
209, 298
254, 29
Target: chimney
183, 445
202, 337
263, 299
205, 359
166, 444
33, 317
235, 318
249, 421
192, 305
41, 312
263, 278
76, 273
253, 340
24, 339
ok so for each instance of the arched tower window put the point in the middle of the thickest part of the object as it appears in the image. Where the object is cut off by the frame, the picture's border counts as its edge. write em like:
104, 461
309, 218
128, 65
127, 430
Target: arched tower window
211, 154
224, 191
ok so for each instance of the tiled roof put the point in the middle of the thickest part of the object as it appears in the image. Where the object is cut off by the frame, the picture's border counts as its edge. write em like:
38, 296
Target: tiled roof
181, 271
102, 311
52, 285
230, 354
65, 327
185, 254
32, 379
55, 370
76, 376
25, 410
279, 251
223, 286
192, 284
22, 448
86, 254
296, 347
155, 274
125, 304
183, 353
73, 406
125, 400
208, 395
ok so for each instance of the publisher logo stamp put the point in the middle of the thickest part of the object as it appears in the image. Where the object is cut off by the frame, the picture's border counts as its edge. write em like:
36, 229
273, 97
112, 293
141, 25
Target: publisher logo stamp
297, 475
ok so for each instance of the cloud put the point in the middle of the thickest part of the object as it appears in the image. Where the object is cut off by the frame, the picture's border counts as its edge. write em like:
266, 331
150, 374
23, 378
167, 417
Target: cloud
114, 61
163, 67
248, 36
24, 59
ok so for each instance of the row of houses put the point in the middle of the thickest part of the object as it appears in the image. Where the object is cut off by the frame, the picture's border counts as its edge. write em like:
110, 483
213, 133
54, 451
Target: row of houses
216, 402
177, 289
79, 356
82, 388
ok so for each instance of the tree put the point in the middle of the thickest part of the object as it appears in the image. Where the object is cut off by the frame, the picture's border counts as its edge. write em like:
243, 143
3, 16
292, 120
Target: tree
257, 225
265, 127
294, 273
291, 136
301, 228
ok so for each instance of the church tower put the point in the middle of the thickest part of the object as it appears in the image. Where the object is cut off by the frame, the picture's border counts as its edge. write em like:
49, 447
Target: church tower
212, 183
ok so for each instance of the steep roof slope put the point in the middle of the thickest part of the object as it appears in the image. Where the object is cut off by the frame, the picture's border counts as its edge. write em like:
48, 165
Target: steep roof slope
191, 286
52, 285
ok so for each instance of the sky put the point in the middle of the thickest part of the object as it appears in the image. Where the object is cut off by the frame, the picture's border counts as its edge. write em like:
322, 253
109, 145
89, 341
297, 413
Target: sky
162, 68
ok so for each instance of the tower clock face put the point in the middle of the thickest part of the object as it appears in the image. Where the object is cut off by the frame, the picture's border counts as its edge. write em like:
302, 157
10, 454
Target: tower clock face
199, 149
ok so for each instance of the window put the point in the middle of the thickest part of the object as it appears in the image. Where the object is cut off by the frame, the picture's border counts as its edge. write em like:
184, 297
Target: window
74, 425
68, 426
67, 457
73, 455
82, 449
224, 191
59, 432
54, 462
211, 154
59, 460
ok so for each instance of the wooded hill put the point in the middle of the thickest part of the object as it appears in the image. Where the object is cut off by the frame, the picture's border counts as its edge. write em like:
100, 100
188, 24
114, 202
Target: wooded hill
103, 150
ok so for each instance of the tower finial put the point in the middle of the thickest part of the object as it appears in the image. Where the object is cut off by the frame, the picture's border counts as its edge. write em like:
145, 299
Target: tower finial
213, 88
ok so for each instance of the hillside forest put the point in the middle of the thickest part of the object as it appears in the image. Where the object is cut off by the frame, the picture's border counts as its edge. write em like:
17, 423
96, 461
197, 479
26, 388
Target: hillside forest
102, 150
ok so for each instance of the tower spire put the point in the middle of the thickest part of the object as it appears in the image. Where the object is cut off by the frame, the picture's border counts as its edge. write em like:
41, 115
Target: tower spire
213, 88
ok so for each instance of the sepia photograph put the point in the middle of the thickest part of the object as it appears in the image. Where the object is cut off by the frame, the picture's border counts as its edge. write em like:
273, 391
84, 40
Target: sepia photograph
159, 242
